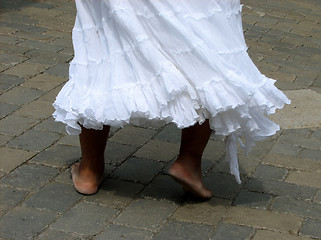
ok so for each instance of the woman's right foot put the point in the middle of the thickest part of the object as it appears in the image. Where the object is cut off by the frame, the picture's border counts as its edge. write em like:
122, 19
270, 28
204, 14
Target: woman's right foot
191, 181
85, 182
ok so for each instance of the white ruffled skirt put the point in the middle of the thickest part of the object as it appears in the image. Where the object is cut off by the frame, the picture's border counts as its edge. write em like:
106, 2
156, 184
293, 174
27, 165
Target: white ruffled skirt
166, 60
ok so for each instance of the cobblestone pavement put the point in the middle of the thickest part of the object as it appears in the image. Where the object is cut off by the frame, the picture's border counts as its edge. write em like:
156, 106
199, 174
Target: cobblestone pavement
280, 197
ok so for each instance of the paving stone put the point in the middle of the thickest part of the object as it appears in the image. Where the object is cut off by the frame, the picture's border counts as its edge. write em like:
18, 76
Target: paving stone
51, 95
26, 69
263, 219
41, 45
46, 57
292, 162
20, 95
317, 134
11, 59
311, 227
50, 125
310, 143
34, 140
4, 139
9, 48
164, 187
209, 213
311, 154
286, 149
29, 177
138, 170
115, 232
85, 219
170, 133
12, 158
64, 177
71, 140
44, 82
297, 207
51, 234
253, 200
176, 230
280, 188
146, 214
10, 198
232, 232
214, 150
312, 179
58, 156
317, 197
7, 109
115, 193
38, 109
270, 172
222, 185
55, 197
15, 125
271, 235
132, 135
116, 153
24, 223
61, 69
154, 150
303, 132
10, 80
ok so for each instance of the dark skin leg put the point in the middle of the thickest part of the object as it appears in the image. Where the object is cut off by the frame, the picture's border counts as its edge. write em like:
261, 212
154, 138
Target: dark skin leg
187, 168
88, 174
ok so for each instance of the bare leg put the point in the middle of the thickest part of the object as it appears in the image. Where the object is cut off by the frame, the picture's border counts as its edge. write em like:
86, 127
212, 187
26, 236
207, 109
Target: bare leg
88, 174
187, 168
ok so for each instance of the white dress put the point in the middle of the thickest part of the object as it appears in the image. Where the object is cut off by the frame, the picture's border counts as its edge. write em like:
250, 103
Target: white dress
180, 61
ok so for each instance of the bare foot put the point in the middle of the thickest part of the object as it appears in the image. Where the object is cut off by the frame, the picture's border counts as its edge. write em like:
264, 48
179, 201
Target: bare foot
86, 182
190, 180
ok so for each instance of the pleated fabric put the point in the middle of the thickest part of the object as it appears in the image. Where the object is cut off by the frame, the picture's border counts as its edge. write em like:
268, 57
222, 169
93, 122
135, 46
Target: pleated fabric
180, 61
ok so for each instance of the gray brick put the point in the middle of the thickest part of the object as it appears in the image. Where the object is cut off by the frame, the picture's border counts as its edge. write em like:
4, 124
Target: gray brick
20, 95
15, 125
222, 185
46, 57
29, 177
116, 153
24, 223
11, 59
310, 143
286, 149
85, 219
311, 154
51, 234
41, 45
50, 125
4, 139
311, 227
11, 80
253, 200
270, 172
34, 140
176, 230
61, 69
170, 133
146, 214
25, 27
10, 198
115, 232
7, 109
301, 132
317, 197
58, 156
133, 135
56, 197
9, 48
297, 207
232, 232
317, 134
164, 187
70, 140
138, 170
280, 188
115, 193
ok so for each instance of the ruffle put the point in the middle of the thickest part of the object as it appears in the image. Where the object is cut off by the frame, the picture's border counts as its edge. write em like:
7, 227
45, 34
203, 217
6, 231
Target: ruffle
139, 62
